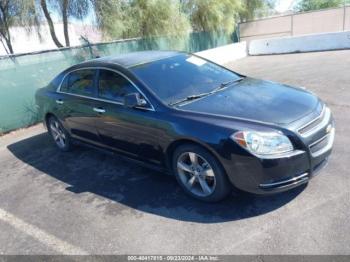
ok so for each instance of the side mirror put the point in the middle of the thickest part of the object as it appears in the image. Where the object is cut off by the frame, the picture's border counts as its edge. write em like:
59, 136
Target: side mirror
134, 100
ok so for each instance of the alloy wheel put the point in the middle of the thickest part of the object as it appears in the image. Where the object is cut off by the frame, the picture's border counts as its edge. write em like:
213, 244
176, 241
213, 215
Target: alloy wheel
58, 134
196, 174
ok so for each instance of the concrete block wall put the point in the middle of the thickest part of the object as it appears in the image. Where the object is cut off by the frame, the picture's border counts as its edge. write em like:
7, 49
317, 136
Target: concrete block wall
272, 27
318, 22
322, 21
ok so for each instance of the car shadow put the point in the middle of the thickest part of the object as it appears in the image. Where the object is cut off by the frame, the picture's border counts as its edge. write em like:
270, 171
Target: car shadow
111, 177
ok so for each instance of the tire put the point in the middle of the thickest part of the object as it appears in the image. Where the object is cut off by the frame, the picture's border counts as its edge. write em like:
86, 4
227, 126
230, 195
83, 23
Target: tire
59, 134
200, 174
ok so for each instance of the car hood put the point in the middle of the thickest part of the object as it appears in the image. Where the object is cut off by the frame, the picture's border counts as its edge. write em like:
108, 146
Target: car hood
257, 100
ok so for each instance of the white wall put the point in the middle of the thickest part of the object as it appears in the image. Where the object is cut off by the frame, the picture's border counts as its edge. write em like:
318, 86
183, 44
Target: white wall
225, 54
306, 43
24, 41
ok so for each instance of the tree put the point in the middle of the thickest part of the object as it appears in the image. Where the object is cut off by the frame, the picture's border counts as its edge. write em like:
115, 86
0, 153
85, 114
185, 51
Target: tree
7, 12
156, 18
72, 9
309, 5
212, 15
255, 8
140, 18
15, 12
50, 23
67, 9
112, 18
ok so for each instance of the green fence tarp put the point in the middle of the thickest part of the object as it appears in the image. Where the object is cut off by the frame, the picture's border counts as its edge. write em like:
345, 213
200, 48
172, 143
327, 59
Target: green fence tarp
22, 75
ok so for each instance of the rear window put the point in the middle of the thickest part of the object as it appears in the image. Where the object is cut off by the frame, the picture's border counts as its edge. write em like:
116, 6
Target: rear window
80, 82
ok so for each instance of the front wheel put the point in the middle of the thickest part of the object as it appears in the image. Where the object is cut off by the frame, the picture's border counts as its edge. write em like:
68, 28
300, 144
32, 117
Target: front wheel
200, 174
59, 135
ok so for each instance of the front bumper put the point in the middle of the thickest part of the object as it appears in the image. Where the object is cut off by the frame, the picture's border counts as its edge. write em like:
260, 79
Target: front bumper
287, 183
265, 176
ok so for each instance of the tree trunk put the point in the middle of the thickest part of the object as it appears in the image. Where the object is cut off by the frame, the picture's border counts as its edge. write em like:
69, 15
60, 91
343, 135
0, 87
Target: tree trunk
5, 31
8, 38
4, 46
9, 45
65, 21
50, 23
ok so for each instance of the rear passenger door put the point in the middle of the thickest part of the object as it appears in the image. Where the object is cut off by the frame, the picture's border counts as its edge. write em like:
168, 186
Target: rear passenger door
77, 104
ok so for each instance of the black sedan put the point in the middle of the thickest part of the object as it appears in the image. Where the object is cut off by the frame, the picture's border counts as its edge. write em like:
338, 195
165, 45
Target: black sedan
212, 128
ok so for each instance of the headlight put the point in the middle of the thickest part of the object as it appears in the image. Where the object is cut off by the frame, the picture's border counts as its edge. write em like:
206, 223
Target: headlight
263, 143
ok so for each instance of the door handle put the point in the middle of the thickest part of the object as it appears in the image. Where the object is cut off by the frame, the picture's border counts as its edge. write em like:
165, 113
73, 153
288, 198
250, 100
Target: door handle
99, 110
59, 101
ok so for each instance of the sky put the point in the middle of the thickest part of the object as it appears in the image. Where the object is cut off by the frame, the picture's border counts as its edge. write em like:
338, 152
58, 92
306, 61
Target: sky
283, 5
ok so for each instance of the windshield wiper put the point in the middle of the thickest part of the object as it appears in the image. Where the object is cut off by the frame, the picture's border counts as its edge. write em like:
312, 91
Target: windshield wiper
193, 97
227, 83
189, 98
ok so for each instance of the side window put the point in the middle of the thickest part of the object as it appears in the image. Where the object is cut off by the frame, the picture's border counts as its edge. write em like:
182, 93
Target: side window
80, 82
113, 86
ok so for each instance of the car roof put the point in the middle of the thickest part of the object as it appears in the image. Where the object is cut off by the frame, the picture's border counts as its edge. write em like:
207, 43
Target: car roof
135, 58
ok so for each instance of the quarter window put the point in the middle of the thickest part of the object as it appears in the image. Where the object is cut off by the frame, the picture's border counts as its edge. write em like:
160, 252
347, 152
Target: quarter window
80, 82
113, 86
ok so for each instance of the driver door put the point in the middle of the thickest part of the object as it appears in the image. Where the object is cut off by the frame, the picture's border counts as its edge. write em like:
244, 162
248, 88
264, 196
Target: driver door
130, 131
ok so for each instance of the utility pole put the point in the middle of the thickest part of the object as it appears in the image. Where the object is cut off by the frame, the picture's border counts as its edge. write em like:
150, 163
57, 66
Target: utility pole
344, 13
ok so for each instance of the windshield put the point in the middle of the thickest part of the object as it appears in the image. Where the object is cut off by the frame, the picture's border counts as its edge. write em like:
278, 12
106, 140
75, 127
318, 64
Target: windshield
178, 77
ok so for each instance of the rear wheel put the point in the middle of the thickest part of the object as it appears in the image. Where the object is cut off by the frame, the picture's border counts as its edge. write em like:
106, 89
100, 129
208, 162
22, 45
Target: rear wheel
200, 174
59, 135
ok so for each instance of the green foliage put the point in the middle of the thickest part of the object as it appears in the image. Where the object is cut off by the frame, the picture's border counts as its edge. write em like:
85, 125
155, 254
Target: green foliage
309, 5
133, 18
140, 18
157, 17
112, 18
212, 15
255, 9
144, 18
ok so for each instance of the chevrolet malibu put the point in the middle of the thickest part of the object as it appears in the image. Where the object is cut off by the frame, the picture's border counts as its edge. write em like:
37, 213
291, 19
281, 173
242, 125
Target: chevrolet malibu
212, 128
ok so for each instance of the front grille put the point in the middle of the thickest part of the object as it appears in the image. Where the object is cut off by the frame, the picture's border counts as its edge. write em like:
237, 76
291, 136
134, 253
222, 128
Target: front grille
319, 145
319, 133
323, 144
316, 124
